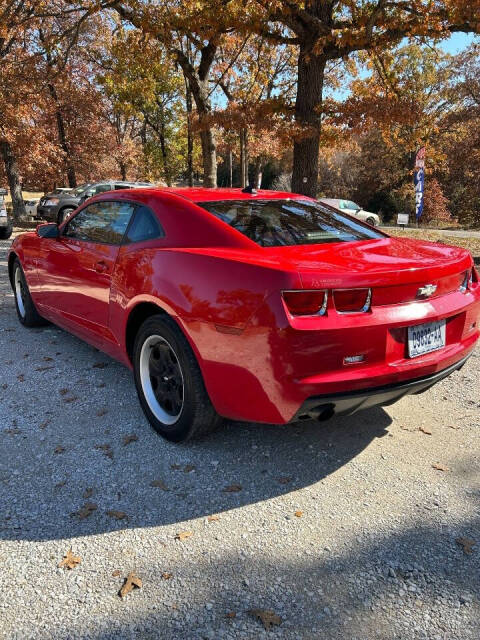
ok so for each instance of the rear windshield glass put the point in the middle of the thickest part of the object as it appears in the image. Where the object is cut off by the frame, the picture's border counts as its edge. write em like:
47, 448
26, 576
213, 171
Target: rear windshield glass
273, 223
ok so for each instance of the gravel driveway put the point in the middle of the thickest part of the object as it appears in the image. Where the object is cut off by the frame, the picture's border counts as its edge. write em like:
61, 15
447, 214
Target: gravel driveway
343, 530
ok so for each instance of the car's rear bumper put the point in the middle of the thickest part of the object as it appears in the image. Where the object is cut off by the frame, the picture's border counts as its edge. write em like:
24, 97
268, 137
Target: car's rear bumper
323, 407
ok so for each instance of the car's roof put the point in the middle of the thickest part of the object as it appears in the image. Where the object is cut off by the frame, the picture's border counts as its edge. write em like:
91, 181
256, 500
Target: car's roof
202, 194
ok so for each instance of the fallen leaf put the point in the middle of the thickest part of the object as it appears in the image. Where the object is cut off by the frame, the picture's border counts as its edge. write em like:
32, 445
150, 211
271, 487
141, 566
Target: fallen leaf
43, 368
88, 493
175, 466
118, 515
131, 438
44, 424
131, 581
159, 484
21, 378
188, 467
467, 544
60, 484
106, 448
70, 561
298, 514
85, 511
13, 432
285, 479
47, 359
231, 614
100, 365
167, 576
440, 467
63, 392
451, 426
70, 399
59, 449
183, 535
116, 573
213, 518
425, 430
233, 488
102, 412
4, 385
267, 618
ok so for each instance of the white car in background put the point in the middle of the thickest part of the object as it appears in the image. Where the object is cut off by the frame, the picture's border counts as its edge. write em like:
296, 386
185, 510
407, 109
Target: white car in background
31, 206
353, 209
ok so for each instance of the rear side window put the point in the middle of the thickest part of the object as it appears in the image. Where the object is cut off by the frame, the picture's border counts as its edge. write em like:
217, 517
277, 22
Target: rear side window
101, 222
144, 226
273, 223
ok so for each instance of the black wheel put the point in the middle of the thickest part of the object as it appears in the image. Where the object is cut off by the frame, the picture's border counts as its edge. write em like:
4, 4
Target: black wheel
371, 221
26, 311
169, 382
5, 232
65, 214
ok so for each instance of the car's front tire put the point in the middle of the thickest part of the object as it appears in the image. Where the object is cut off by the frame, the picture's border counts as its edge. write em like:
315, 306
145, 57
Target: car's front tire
65, 214
169, 382
26, 310
371, 221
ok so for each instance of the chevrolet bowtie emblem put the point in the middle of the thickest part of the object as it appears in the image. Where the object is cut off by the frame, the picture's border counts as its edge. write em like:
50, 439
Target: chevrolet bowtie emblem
426, 291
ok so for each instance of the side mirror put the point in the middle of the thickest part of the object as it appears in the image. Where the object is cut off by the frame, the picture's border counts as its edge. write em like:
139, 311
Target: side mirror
48, 230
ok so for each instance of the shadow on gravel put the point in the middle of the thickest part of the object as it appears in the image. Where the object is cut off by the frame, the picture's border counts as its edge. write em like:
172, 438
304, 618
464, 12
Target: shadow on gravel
41, 486
414, 583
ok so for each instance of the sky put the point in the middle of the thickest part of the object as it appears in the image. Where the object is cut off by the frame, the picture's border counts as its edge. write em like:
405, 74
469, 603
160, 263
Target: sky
457, 42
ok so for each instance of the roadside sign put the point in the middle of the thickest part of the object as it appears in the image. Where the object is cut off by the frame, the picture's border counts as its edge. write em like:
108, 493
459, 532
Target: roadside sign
402, 219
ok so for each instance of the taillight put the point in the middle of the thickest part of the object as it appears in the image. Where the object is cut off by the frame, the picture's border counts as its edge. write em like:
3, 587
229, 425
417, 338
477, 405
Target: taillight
306, 303
352, 300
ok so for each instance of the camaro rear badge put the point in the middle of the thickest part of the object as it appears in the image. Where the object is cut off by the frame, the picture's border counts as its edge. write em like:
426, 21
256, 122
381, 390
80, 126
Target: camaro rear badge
426, 291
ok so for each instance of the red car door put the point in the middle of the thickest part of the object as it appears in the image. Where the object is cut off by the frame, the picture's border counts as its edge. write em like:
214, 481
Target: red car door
75, 270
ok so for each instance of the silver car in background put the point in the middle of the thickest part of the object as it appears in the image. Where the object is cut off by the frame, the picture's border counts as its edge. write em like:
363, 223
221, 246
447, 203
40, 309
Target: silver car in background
353, 209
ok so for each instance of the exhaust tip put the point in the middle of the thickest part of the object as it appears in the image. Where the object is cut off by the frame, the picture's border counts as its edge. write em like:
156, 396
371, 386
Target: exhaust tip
326, 412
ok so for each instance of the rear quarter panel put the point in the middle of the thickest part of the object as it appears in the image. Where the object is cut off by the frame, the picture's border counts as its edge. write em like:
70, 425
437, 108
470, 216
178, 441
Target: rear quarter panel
213, 298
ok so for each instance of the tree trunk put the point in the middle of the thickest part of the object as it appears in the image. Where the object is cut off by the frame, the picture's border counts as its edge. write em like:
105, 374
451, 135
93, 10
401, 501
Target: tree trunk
230, 169
209, 156
62, 138
189, 108
257, 180
13, 177
311, 72
123, 170
244, 157
163, 147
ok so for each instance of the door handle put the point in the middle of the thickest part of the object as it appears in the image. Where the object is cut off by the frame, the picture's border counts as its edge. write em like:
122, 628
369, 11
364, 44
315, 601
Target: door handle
101, 266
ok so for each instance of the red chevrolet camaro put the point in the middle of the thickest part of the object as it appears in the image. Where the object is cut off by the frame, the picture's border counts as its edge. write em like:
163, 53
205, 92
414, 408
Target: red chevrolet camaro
259, 306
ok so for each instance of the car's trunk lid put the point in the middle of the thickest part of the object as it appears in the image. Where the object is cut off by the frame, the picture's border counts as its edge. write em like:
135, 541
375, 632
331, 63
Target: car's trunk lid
392, 267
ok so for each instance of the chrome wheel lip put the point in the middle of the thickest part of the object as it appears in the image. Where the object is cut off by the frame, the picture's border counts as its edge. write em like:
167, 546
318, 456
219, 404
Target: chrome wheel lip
19, 292
144, 370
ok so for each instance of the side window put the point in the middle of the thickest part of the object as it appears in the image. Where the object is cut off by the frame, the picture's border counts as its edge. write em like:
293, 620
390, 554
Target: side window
341, 204
121, 186
145, 226
101, 222
352, 205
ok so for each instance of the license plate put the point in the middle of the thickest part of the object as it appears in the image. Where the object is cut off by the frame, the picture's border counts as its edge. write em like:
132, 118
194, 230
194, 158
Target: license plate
424, 338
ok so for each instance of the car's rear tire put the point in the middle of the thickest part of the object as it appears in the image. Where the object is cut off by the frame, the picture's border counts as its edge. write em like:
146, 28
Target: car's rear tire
26, 310
65, 214
6, 232
169, 382
371, 221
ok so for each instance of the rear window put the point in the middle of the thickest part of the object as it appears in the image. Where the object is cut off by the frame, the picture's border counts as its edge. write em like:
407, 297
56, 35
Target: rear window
274, 223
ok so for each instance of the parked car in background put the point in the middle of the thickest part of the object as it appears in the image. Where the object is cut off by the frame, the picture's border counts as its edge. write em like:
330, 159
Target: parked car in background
31, 206
255, 306
6, 224
59, 205
353, 209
